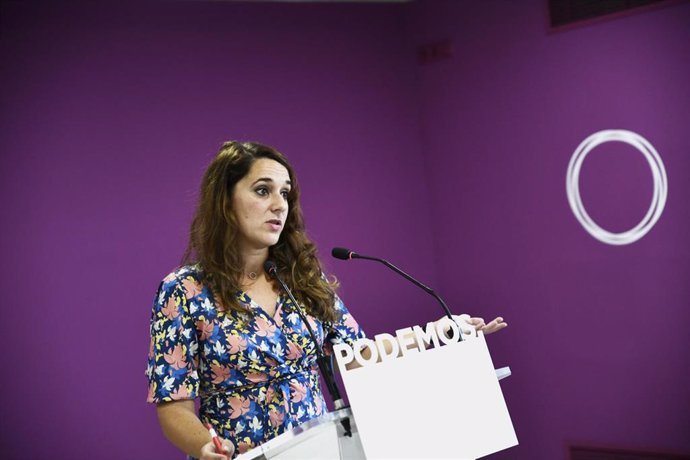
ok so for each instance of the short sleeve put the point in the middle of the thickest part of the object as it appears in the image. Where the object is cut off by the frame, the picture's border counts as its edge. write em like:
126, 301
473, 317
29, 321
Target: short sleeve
173, 353
344, 329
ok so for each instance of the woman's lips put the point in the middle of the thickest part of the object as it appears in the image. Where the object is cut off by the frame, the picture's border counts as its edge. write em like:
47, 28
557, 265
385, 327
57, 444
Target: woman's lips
275, 225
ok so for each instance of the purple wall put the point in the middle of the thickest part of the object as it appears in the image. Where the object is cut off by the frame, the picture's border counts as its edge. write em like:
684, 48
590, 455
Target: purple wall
109, 117
598, 340
454, 170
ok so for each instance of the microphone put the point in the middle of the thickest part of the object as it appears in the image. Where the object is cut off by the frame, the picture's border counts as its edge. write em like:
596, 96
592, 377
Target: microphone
343, 254
323, 361
346, 254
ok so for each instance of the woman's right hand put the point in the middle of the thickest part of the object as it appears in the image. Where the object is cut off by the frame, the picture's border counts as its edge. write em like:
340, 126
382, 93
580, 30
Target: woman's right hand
209, 452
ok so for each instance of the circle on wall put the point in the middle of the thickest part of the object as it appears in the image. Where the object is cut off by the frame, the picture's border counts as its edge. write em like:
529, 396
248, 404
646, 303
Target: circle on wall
658, 198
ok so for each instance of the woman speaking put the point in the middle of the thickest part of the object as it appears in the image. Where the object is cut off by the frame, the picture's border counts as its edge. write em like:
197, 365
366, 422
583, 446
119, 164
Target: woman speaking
221, 329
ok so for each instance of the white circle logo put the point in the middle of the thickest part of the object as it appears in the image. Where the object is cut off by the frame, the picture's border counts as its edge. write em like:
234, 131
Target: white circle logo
658, 173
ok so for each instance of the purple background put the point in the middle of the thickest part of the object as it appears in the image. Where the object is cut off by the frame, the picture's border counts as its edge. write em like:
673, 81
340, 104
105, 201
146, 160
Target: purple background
454, 170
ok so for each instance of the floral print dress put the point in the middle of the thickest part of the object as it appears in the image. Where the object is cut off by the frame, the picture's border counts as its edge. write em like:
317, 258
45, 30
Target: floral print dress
255, 374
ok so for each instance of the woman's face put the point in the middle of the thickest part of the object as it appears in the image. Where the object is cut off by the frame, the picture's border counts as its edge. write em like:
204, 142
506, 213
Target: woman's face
260, 205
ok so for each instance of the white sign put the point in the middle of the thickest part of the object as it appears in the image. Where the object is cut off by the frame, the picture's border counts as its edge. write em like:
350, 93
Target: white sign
439, 402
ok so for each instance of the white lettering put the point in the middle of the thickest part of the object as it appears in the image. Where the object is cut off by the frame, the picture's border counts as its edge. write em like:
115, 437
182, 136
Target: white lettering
464, 323
382, 340
426, 336
406, 341
360, 345
343, 355
405, 338
445, 326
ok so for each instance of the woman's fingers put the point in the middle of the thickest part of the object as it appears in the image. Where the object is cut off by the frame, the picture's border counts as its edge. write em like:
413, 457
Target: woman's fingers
494, 326
209, 452
478, 323
229, 448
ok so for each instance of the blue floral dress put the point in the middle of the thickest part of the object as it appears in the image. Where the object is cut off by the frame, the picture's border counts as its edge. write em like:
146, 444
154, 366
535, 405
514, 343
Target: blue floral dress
255, 374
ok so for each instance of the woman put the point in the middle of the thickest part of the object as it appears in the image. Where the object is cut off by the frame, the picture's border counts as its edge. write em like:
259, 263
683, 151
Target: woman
221, 329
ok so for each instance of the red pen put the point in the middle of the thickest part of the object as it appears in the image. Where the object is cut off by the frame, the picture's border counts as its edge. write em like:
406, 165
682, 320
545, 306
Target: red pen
216, 439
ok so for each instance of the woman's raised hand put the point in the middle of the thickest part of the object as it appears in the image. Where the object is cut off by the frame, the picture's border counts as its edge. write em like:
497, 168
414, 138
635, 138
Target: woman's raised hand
494, 326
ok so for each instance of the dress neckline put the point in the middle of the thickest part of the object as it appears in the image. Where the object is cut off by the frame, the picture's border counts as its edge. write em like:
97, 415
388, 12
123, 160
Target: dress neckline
276, 314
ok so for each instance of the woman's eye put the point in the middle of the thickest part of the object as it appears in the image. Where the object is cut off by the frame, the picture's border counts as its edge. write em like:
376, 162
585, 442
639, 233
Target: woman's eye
263, 191
285, 193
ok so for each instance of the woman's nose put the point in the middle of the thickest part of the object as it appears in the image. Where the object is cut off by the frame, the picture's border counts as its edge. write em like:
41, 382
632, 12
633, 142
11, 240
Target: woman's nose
279, 203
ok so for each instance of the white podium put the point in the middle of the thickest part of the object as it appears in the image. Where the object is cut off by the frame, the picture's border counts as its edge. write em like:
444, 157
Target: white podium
437, 402
440, 402
321, 438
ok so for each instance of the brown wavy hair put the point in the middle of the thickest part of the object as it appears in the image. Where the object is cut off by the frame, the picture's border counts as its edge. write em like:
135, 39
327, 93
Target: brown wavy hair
213, 235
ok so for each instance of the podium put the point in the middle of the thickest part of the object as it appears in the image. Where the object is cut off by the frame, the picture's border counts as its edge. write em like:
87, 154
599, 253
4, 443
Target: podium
440, 401
321, 438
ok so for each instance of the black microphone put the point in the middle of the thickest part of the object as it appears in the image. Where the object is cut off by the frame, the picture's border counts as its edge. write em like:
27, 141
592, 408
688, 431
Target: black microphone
342, 253
323, 361
346, 254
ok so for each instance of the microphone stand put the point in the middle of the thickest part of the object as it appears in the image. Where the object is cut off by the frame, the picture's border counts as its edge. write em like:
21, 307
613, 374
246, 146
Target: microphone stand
346, 254
322, 360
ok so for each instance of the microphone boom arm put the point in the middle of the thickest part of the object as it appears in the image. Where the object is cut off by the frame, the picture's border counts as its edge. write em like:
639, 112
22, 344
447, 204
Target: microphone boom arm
323, 361
424, 287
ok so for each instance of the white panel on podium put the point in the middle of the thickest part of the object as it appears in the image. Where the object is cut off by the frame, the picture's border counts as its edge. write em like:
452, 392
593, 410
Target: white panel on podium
322, 438
442, 402
321, 444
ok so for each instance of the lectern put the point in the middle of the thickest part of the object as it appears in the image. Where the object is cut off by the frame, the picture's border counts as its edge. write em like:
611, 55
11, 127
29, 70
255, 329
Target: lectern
320, 438
439, 399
